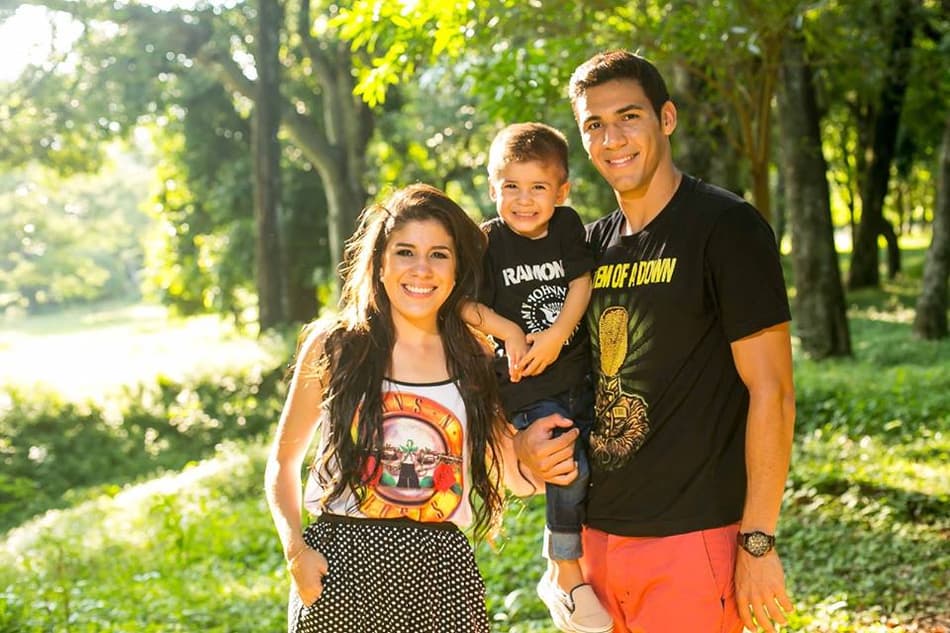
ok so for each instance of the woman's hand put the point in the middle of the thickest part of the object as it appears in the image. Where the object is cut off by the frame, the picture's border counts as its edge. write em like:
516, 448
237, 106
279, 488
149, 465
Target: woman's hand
307, 570
516, 346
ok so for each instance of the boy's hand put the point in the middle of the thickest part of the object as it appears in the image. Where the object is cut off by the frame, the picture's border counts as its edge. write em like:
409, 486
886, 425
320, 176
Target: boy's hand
544, 350
516, 346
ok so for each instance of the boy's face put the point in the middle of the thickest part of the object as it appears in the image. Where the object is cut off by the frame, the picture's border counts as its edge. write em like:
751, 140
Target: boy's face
525, 195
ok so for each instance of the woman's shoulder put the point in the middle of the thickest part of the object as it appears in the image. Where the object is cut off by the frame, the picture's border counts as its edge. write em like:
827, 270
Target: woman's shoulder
316, 340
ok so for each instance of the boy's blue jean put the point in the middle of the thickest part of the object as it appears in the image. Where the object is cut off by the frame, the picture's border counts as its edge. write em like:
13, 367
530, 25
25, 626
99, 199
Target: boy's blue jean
565, 505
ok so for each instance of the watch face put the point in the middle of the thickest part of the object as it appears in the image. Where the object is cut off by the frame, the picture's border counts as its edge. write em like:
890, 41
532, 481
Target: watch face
758, 543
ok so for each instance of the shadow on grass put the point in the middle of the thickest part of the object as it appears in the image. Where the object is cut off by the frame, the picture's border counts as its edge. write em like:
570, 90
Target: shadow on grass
836, 550
197, 552
904, 505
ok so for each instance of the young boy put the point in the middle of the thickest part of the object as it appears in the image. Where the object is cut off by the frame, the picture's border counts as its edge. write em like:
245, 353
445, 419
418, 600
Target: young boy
535, 292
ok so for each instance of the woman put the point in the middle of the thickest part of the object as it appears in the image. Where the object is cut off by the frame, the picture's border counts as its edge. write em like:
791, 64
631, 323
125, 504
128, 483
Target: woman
408, 451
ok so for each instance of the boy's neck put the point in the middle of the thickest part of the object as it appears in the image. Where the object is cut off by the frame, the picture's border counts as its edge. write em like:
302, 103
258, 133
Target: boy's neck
529, 237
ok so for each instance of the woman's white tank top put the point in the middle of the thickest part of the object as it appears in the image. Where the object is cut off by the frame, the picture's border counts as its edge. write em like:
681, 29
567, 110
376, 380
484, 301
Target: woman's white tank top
424, 461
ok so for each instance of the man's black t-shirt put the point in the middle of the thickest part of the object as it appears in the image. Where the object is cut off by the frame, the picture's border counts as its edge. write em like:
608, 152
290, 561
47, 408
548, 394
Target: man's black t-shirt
526, 281
667, 447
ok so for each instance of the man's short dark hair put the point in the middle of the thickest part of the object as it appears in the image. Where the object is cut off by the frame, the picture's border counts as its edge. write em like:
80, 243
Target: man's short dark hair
619, 64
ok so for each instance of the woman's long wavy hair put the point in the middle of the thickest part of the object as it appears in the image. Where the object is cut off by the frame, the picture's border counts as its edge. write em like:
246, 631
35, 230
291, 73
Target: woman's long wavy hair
359, 346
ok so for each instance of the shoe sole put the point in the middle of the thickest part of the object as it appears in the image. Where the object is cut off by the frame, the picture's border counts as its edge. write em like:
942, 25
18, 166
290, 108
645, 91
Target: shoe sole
560, 623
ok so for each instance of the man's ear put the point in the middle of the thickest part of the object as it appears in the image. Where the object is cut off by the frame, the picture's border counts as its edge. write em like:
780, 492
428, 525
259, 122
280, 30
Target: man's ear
668, 118
562, 192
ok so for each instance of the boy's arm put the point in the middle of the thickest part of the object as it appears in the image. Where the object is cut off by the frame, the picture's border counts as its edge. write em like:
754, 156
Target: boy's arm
546, 345
486, 320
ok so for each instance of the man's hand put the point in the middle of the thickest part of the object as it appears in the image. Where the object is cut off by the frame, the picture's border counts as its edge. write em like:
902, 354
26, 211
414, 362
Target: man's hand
549, 458
307, 569
760, 591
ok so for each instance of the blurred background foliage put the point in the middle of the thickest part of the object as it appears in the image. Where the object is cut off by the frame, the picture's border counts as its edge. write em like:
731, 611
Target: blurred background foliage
377, 94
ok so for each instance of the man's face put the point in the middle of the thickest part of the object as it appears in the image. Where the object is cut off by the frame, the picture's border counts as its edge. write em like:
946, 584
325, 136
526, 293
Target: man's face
623, 136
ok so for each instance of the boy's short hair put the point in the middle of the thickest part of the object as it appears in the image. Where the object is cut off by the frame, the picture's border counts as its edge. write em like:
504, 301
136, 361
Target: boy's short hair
614, 65
525, 142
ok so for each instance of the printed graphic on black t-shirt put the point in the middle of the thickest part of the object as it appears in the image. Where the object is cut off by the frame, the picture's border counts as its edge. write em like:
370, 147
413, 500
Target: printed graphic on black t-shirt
620, 336
542, 305
526, 281
540, 308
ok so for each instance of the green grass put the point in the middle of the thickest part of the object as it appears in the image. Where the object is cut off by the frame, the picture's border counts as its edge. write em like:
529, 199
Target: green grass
192, 551
865, 531
91, 352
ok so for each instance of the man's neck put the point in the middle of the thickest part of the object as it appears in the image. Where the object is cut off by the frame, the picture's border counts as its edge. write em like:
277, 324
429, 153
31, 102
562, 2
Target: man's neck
639, 208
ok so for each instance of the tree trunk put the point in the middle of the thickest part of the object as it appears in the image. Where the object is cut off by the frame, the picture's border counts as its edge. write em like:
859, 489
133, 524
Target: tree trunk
780, 206
864, 261
338, 149
306, 243
699, 145
931, 319
761, 194
893, 249
268, 260
820, 314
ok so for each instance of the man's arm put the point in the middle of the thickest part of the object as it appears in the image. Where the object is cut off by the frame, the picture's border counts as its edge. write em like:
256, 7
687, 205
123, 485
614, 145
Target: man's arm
519, 480
546, 345
764, 363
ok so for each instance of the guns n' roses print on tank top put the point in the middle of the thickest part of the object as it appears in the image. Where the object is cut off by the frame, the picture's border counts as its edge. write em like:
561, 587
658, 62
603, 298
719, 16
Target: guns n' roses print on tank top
418, 473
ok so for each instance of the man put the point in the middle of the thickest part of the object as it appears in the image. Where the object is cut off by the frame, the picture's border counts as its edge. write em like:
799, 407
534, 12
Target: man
689, 326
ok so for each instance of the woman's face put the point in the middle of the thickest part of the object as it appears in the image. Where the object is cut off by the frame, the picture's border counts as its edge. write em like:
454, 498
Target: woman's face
418, 271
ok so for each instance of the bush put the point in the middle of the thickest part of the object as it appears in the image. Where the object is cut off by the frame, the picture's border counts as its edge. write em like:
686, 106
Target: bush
54, 453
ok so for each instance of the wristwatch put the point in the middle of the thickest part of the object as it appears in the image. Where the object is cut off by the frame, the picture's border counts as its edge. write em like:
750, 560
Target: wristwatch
757, 543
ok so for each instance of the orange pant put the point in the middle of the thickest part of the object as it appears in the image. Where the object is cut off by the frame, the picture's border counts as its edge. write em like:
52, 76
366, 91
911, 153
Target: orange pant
670, 584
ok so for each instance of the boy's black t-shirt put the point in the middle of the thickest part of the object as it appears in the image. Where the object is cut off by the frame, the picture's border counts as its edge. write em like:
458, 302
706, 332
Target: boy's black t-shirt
526, 281
667, 447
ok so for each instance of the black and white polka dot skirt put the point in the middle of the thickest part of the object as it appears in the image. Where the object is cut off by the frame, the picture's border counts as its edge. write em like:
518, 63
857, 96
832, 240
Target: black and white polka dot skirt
392, 576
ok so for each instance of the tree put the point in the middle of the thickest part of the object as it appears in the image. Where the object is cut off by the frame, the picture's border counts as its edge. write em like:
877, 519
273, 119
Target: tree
930, 322
270, 259
71, 240
319, 114
820, 312
699, 141
732, 48
882, 129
